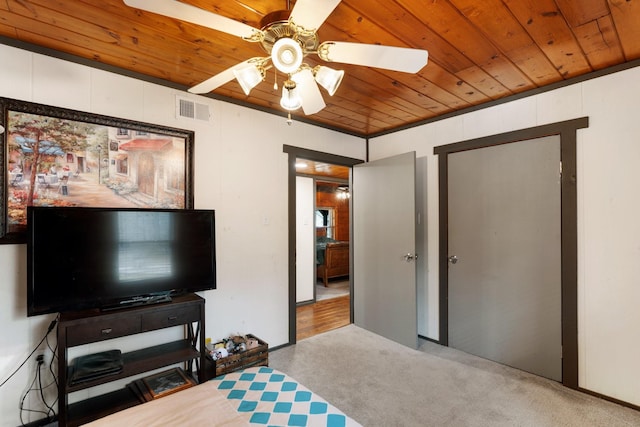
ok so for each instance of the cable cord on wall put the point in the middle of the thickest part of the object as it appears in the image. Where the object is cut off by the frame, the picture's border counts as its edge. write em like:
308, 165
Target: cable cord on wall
50, 413
54, 357
51, 326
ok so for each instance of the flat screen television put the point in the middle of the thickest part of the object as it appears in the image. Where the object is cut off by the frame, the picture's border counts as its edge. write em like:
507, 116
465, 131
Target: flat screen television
104, 258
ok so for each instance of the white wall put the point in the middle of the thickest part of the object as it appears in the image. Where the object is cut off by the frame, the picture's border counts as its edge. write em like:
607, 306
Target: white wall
608, 211
240, 170
305, 238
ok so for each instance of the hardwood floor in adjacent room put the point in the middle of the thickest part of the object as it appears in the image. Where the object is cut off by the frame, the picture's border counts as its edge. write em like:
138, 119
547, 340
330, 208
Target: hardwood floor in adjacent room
322, 316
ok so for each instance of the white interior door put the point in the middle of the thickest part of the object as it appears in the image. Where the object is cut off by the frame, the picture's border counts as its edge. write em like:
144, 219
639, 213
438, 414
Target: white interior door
384, 224
504, 232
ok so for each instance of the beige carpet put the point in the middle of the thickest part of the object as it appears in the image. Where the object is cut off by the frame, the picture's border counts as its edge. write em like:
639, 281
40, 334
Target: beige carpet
334, 289
380, 383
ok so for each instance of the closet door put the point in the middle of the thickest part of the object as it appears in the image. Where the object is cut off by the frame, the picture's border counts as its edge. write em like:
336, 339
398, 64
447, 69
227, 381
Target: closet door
505, 254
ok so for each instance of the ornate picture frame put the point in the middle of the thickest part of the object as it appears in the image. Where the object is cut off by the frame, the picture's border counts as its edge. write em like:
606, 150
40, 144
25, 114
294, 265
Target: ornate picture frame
51, 156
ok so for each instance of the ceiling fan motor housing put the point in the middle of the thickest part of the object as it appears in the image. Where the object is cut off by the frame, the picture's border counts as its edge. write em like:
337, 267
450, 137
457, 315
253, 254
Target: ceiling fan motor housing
287, 43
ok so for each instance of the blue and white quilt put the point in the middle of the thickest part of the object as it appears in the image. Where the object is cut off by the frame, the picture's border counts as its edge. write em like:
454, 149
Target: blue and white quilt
268, 397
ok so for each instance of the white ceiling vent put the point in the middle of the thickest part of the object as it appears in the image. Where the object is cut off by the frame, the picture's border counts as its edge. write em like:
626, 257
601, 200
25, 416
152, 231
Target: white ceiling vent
191, 110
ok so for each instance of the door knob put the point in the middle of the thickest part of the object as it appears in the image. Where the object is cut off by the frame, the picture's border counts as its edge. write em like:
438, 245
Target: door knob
410, 257
453, 259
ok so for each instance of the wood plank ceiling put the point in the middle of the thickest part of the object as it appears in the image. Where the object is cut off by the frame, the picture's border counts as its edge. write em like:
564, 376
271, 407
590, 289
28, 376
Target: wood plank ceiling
322, 170
479, 50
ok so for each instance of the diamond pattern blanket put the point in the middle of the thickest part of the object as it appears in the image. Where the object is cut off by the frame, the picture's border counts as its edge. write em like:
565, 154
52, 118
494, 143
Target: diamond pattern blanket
267, 397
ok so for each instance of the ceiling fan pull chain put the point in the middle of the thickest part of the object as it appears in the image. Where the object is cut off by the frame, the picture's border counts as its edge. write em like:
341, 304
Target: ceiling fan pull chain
275, 79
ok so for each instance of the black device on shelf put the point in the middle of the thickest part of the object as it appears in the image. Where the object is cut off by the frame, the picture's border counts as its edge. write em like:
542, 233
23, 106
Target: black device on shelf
96, 365
99, 258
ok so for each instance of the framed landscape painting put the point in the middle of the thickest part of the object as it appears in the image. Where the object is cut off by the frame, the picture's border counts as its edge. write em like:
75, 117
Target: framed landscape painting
59, 157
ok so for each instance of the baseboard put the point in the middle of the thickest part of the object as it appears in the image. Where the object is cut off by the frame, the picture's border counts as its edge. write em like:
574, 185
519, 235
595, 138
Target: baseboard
42, 422
609, 399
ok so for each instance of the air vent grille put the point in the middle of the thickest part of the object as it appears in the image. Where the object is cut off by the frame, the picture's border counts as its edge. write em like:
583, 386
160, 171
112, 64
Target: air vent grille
189, 109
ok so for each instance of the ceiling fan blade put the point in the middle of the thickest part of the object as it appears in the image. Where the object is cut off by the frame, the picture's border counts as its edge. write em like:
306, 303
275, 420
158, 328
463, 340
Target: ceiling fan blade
310, 14
195, 15
312, 100
219, 79
372, 55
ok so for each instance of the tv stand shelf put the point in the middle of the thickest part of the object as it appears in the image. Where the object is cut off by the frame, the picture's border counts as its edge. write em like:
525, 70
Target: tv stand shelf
80, 328
144, 360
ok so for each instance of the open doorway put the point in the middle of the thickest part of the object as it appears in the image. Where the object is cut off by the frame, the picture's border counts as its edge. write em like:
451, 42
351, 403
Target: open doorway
323, 287
323, 167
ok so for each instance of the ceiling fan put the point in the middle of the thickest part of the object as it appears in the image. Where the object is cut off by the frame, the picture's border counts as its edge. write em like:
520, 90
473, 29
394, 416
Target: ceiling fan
288, 39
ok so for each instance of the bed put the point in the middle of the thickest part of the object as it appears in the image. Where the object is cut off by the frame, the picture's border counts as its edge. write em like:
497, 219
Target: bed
332, 259
253, 397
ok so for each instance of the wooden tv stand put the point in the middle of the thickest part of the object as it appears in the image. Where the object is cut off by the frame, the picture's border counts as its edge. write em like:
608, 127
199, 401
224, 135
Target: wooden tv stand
78, 328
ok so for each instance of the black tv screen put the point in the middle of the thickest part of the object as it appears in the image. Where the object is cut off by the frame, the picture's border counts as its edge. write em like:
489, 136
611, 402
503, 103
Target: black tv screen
86, 258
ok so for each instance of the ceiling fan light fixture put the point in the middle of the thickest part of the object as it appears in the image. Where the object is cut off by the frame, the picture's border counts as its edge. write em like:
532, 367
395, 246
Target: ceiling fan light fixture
287, 55
291, 99
249, 77
328, 78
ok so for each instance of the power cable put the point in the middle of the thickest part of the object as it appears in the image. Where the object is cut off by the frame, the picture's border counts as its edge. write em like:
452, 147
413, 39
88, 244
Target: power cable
51, 326
31, 388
